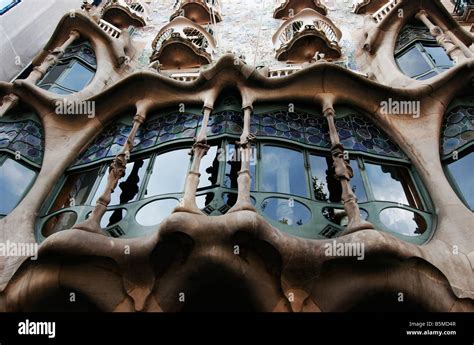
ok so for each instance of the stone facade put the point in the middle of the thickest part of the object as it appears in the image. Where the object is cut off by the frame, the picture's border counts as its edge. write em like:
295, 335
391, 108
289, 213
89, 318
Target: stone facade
148, 57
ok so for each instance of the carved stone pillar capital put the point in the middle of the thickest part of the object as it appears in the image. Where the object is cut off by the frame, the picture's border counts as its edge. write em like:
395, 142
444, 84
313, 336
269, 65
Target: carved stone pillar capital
249, 140
329, 112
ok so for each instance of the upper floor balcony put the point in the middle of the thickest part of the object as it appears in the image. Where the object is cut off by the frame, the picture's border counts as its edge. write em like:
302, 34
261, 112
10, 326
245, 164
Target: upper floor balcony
199, 11
306, 35
383, 11
285, 9
125, 13
464, 10
183, 44
369, 6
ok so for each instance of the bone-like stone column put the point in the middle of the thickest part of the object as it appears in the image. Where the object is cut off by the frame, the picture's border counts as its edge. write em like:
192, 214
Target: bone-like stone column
455, 48
244, 181
198, 151
344, 173
11, 100
116, 172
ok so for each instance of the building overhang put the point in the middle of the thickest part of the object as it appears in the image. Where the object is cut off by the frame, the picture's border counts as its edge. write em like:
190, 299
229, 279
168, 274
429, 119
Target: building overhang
121, 16
182, 44
289, 8
178, 53
305, 45
302, 36
198, 11
369, 6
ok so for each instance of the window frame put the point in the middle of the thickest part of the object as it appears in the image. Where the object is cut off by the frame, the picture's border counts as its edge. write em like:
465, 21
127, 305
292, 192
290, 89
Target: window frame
8, 7
463, 151
4, 156
371, 206
420, 45
69, 61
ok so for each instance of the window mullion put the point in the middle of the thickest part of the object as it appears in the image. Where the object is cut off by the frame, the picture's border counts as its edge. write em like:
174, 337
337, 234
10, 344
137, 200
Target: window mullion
365, 179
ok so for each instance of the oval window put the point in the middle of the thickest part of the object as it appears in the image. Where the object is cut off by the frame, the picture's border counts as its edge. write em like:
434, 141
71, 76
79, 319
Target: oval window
286, 211
404, 222
339, 216
112, 217
59, 222
154, 212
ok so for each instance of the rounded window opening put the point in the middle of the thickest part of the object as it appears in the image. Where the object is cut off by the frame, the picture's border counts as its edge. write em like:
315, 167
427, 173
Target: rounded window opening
457, 148
418, 54
73, 72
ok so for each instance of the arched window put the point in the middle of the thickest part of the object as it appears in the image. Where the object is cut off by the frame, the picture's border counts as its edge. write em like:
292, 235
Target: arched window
457, 148
293, 184
74, 70
21, 155
418, 54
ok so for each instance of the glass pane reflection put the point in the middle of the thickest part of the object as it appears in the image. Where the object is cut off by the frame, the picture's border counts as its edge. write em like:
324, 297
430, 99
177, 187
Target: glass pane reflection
128, 186
76, 189
412, 63
15, 179
233, 165
203, 200
76, 77
154, 212
391, 183
439, 56
402, 221
283, 171
112, 217
286, 211
169, 173
326, 187
209, 168
59, 222
461, 171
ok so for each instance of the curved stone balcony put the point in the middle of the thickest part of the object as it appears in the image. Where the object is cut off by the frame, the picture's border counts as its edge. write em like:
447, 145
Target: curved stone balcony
125, 13
308, 33
182, 44
368, 6
199, 11
285, 9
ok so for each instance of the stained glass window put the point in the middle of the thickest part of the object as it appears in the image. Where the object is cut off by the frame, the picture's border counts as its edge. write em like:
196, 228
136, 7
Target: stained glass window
24, 138
457, 146
458, 129
356, 132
